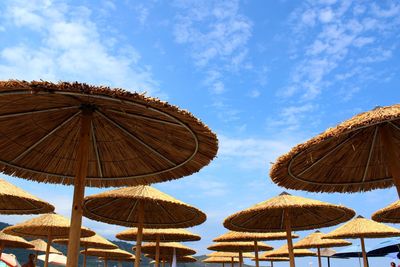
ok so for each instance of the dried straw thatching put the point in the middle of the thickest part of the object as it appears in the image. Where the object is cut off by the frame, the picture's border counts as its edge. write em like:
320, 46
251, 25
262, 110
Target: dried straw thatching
284, 252
249, 236
134, 139
11, 241
14, 200
96, 241
165, 235
46, 225
225, 254
131, 258
167, 248
389, 214
315, 240
361, 227
107, 253
273, 259
306, 213
40, 246
239, 246
120, 206
220, 260
350, 157
327, 252
168, 258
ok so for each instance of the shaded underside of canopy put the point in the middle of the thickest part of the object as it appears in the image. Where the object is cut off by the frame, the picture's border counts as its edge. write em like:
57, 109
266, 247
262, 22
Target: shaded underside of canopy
389, 214
239, 246
315, 240
165, 235
284, 252
224, 254
95, 241
220, 260
41, 246
167, 248
107, 253
12, 241
233, 236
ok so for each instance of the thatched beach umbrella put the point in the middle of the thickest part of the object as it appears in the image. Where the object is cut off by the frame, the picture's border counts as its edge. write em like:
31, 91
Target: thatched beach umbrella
167, 249
315, 240
96, 241
273, 259
233, 236
363, 228
141, 206
119, 259
14, 200
168, 258
159, 235
11, 241
82, 135
41, 246
240, 247
107, 254
283, 251
231, 255
327, 253
360, 154
286, 213
389, 214
221, 260
48, 226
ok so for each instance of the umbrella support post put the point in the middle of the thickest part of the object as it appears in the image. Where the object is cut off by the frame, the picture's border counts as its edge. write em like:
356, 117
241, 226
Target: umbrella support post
319, 257
272, 264
84, 256
79, 188
391, 155
1, 250
364, 254
256, 253
223, 264
36, 255
46, 261
289, 236
139, 233
157, 251
163, 263
240, 259
105, 262
232, 262
329, 261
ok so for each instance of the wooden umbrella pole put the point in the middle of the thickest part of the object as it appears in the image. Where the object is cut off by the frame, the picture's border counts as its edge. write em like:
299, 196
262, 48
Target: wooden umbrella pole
163, 263
319, 257
240, 259
256, 252
223, 264
105, 262
37, 254
46, 261
272, 263
139, 233
391, 155
289, 237
79, 188
232, 262
364, 254
329, 261
157, 251
84, 256
1, 249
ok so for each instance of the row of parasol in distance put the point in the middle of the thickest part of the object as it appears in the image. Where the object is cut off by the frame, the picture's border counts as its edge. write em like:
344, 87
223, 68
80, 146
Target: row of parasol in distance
93, 136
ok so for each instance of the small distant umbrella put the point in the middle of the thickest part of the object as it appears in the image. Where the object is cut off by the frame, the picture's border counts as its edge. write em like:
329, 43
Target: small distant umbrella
167, 249
387, 246
182, 259
41, 246
223, 254
11, 241
360, 154
389, 214
363, 228
74, 133
233, 236
49, 226
315, 240
221, 260
95, 241
14, 200
286, 213
240, 247
107, 253
327, 253
283, 251
273, 259
141, 206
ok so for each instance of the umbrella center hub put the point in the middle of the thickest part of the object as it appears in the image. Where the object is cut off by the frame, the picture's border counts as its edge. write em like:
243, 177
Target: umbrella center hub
88, 108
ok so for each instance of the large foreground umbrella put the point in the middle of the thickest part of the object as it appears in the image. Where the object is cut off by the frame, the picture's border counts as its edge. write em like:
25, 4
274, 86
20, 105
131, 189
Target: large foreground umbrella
158, 235
72, 133
240, 247
315, 240
107, 253
11, 241
363, 228
14, 200
233, 236
48, 226
95, 241
389, 214
286, 213
273, 259
141, 206
359, 154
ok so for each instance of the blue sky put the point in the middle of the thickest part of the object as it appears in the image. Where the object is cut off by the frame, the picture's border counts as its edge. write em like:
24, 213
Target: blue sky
264, 75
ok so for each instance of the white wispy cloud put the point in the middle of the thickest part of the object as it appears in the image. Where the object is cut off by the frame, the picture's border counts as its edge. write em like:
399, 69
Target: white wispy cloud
68, 45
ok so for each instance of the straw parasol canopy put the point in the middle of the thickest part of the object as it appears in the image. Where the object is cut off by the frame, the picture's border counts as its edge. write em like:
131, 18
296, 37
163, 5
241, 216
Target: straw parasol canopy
224, 254
167, 248
238, 246
389, 214
164, 235
40, 246
315, 240
96, 241
107, 253
272, 259
220, 260
363, 228
14, 200
232, 236
284, 252
79, 134
275, 214
359, 154
131, 258
10, 241
168, 258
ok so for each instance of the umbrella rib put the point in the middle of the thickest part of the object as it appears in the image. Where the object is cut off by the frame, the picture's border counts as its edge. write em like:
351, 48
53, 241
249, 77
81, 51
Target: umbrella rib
252, 218
167, 212
394, 125
145, 117
104, 205
131, 212
326, 155
45, 137
137, 139
12, 115
96, 150
370, 153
